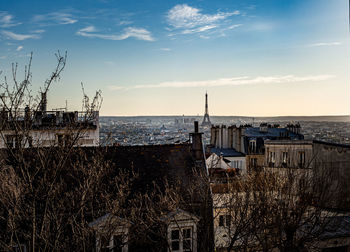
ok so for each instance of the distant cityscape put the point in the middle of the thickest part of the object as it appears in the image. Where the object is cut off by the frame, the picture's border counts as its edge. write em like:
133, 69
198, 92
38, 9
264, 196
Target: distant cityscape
150, 130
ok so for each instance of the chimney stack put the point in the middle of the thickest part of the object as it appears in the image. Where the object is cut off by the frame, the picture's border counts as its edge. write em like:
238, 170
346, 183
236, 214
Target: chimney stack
43, 104
196, 140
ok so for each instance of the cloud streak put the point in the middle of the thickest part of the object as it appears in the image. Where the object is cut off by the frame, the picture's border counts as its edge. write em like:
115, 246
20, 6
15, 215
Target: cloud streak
6, 20
20, 37
184, 16
325, 44
199, 29
129, 32
188, 20
235, 81
60, 18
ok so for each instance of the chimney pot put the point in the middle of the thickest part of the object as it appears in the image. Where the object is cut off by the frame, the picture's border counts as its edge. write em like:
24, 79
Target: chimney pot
196, 127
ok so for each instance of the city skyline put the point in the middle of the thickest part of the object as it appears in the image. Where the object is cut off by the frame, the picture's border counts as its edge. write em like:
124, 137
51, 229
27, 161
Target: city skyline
255, 58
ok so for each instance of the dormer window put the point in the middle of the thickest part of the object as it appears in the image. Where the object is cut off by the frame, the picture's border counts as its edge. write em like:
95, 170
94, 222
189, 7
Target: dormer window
112, 233
182, 239
182, 231
252, 146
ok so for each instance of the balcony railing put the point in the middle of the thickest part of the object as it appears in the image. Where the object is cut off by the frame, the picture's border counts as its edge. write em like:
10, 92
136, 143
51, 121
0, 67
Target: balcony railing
45, 119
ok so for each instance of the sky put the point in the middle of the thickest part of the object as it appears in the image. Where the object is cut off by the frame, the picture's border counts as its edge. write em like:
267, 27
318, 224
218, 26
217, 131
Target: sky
160, 57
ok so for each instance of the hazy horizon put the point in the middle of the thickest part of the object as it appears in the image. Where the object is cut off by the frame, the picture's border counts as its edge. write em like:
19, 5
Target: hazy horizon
277, 116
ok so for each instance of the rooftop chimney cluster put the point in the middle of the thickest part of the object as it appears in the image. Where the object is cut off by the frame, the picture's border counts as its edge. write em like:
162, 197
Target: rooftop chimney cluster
228, 137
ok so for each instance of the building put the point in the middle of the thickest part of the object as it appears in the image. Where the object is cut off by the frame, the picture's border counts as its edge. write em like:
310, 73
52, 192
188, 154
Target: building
319, 158
43, 128
250, 140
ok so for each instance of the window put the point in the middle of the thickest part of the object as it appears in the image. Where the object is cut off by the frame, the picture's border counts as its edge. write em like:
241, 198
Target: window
228, 220
252, 146
117, 243
114, 243
104, 244
63, 139
224, 220
253, 162
181, 239
182, 231
237, 164
108, 240
10, 140
13, 141
301, 159
284, 159
187, 239
221, 220
175, 240
272, 159
60, 139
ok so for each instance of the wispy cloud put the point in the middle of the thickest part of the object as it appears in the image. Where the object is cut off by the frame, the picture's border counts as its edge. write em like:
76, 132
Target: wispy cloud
165, 49
188, 20
16, 36
39, 31
125, 22
199, 29
184, 16
19, 48
129, 32
235, 81
60, 18
6, 20
234, 26
325, 44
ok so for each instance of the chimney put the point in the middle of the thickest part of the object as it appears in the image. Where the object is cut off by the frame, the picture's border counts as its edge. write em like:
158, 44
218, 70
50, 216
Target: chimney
196, 140
213, 135
43, 103
27, 113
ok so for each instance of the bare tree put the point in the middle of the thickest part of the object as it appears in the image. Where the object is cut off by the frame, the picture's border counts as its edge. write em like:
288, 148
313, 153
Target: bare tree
47, 186
273, 209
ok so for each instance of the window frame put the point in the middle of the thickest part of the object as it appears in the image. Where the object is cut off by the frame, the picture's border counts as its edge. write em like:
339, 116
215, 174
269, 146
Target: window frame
181, 221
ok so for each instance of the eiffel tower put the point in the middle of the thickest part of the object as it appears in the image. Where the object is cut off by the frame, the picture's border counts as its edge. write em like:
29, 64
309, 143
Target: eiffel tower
206, 120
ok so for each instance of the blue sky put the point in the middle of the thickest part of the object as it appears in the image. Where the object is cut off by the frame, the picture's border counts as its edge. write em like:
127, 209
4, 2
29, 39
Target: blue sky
254, 57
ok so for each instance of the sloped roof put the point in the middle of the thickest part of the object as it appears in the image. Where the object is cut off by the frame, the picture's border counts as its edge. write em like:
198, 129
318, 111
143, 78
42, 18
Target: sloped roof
216, 162
270, 133
153, 163
179, 215
226, 152
338, 226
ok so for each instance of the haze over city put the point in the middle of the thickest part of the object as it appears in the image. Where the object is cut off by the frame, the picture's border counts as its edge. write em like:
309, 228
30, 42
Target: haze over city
254, 58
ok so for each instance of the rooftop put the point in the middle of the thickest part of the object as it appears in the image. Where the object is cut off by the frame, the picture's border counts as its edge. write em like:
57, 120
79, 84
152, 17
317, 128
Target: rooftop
226, 152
